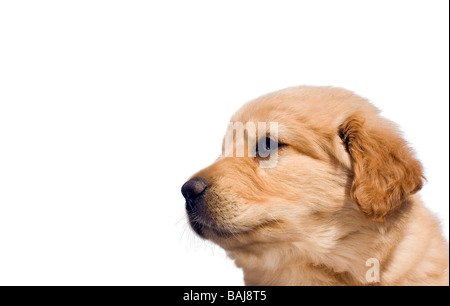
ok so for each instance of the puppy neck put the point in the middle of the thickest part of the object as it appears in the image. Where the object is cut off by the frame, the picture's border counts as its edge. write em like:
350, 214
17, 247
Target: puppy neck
343, 260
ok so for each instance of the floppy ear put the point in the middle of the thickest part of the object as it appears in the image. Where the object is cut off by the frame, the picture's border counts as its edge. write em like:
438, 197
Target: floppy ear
385, 170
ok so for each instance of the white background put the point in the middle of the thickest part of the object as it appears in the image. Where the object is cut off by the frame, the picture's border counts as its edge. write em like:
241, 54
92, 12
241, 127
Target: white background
107, 107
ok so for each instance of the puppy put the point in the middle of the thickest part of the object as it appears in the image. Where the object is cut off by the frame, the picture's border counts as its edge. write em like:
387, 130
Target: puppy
323, 192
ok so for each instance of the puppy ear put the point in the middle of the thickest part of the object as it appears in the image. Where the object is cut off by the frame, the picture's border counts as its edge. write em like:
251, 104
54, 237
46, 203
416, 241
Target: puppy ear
385, 170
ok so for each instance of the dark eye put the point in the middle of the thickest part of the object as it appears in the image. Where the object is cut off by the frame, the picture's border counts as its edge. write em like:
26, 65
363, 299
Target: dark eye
265, 146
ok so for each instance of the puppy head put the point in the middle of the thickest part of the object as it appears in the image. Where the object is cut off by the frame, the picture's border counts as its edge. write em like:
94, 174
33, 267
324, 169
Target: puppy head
337, 164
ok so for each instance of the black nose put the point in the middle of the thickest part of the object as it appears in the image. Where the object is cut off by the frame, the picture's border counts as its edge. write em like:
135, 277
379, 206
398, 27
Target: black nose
192, 190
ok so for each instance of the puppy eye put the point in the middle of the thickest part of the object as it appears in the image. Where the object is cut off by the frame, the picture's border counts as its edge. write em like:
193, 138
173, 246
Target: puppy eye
265, 146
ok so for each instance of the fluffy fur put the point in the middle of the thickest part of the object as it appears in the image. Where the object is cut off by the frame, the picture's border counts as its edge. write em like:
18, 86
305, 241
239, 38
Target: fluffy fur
342, 192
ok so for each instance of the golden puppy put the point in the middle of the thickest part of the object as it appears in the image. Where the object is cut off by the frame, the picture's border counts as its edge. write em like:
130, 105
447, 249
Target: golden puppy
334, 204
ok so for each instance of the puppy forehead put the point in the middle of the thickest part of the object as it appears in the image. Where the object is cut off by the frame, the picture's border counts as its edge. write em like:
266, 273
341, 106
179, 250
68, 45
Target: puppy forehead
323, 107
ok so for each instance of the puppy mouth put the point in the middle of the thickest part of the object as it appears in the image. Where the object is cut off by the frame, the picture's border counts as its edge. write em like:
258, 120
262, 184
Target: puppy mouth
205, 228
202, 225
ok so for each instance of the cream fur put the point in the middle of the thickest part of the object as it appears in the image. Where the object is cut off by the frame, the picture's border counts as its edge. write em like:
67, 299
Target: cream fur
343, 192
